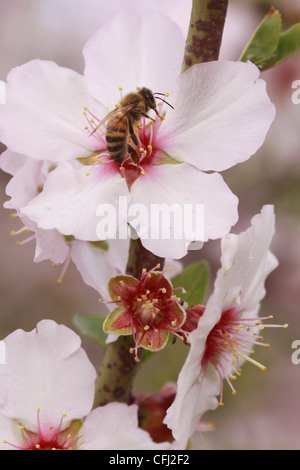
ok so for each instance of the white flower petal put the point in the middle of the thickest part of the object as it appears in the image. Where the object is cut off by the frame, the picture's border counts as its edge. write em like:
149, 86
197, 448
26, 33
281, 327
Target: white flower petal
222, 114
47, 369
115, 427
70, 199
246, 262
97, 266
181, 184
43, 114
134, 49
11, 162
10, 434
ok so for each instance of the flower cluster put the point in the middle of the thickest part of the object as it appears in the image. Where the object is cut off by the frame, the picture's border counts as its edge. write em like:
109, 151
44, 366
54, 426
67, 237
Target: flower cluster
60, 128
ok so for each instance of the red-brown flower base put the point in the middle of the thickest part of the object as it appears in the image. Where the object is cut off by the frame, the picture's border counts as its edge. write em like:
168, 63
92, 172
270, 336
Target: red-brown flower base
147, 309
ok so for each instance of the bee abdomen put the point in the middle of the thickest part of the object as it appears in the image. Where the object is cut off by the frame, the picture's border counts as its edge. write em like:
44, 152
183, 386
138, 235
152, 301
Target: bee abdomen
116, 140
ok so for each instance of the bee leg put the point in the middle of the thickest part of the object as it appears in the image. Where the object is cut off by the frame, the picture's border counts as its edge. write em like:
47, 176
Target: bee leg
133, 135
134, 155
149, 117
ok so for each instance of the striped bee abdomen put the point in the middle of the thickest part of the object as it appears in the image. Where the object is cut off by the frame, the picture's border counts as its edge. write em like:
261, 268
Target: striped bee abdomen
116, 138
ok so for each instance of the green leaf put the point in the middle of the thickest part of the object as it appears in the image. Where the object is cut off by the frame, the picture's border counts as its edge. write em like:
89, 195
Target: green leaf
262, 47
289, 42
91, 326
194, 279
269, 45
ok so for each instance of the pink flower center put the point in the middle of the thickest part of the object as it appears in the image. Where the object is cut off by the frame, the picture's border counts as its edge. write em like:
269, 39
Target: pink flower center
231, 340
149, 151
47, 437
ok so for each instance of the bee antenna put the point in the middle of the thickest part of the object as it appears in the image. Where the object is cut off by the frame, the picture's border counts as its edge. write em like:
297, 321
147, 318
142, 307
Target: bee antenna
167, 102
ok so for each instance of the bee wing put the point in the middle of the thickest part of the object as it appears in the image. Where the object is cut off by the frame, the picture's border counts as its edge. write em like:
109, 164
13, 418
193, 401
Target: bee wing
120, 112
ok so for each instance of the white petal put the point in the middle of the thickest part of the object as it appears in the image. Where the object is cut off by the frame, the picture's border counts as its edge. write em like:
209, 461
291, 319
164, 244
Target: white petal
134, 49
196, 392
43, 114
115, 427
247, 261
222, 114
97, 266
10, 433
50, 244
181, 184
42, 370
70, 199
24, 185
11, 162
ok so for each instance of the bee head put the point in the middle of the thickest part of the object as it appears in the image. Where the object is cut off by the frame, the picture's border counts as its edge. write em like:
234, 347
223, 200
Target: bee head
148, 97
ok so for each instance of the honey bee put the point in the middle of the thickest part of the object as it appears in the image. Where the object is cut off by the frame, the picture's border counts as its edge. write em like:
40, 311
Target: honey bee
122, 123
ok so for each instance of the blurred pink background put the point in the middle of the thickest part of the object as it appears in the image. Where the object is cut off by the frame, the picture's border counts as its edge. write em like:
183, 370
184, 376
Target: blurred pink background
265, 414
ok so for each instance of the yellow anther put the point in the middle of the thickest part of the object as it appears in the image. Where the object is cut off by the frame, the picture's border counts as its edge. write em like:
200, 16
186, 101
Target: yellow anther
146, 327
143, 173
87, 173
167, 94
86, 128
233, 393
120, 88
221, 403
14, 215
12, 233
59, 282
85, 108
19, 243
92, 121
51, 427
149, 147
138, 88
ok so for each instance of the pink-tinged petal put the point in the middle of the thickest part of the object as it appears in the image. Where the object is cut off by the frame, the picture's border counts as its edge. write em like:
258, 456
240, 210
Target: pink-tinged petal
70, 200
154, 339
11, 162
222, 114
97, 265
165, 187
24, 185
145, 49
43, 114
115, 427
10, 434
46, 377
50, 244
118, 322
123, 286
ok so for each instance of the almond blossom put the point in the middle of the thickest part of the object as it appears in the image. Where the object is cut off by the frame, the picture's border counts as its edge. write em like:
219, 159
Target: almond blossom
228, 327
96, 262
221, 114
46, 397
